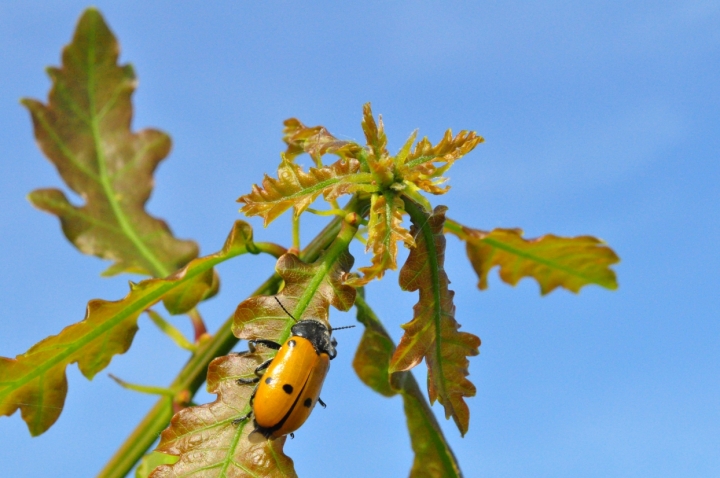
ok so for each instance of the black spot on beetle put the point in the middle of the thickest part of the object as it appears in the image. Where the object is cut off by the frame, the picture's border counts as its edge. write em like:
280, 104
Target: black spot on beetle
269, 380
291, 343
308, 402
288, 388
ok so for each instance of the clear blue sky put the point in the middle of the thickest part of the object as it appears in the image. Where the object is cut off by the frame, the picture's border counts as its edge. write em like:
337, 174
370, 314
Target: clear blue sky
600, 118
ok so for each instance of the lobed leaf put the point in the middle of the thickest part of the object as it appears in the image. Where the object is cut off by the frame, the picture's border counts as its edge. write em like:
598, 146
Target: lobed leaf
209, 444
85, 132
35, 381
316, 141
298, 189
433, 456
384, 231
569, 262
433, 333
419, 167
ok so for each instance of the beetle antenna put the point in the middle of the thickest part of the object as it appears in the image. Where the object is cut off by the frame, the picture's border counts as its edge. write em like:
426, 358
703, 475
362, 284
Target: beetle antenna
283, 308
340, 328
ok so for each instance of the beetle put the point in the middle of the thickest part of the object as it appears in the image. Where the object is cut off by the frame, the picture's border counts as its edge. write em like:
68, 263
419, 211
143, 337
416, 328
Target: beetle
290, 383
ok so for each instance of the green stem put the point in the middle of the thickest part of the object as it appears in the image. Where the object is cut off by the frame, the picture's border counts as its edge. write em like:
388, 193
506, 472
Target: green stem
296, 232
171, 331
193, 374
149, 389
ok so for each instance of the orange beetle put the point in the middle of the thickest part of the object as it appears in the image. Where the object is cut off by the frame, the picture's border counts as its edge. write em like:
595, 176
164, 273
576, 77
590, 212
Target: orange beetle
292, 380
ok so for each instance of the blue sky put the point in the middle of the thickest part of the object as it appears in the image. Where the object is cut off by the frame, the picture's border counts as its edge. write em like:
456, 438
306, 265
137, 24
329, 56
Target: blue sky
599, 117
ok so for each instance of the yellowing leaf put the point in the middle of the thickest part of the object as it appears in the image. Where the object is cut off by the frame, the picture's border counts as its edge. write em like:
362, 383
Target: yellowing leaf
384, 231
209, 444
433, 333
35, 381
433, 456
85, 131
569, 262
298, 189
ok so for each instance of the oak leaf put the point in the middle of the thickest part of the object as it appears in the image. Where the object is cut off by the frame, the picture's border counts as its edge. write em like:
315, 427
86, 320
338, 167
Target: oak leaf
553, 261
85, 131
384, 231
433, 333
207, 441
35, 381
297, 189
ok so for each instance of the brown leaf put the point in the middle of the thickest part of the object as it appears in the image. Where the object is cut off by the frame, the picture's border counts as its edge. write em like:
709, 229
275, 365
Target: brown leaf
298, 189
433, 333
569, 262
85, 131
384, 231
209, 444
433, 456
35, 381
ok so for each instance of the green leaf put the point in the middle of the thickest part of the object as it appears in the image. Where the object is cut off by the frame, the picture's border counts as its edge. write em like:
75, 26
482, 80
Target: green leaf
151, 461
85, 132
433, 333
433, 456
207, 442
204, 437
569, 262
35, 381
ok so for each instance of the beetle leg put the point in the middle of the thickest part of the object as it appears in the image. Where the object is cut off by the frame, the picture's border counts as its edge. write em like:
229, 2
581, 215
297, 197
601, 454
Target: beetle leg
292, 435
258, 371
322, 404
267, 343
239, 420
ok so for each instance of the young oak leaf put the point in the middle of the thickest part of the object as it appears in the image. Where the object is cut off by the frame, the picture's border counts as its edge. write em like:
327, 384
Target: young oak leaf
419, 167
433, 456
298, 189
384, 231
433, 333
207, 441
35, 381
85, 131
569, 262
316, 141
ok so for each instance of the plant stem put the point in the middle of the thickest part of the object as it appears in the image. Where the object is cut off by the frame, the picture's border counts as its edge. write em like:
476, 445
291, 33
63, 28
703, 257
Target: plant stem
193, 374
296, 232
198, 324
